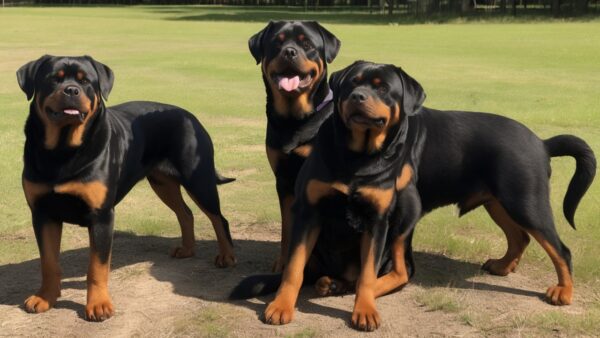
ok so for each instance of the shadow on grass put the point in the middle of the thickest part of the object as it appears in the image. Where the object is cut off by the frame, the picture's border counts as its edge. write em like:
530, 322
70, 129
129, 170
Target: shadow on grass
344, 16
197, 277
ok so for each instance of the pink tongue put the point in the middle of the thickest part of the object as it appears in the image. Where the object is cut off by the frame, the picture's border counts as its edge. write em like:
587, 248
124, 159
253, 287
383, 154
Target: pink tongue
289, 84
71, 111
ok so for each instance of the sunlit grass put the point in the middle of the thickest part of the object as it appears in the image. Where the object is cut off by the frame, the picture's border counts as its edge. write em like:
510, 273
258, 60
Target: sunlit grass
544, 75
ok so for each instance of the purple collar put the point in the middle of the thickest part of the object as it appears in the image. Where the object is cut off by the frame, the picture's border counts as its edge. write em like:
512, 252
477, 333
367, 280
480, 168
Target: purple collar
326, 101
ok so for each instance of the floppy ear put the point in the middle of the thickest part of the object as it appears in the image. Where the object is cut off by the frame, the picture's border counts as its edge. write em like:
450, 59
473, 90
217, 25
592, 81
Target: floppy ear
413, 94
255, 43
331, 43
336, 78
26, 75
106, 77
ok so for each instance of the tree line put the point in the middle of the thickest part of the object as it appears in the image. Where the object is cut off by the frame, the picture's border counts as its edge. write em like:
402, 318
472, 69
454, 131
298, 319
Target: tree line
414, 7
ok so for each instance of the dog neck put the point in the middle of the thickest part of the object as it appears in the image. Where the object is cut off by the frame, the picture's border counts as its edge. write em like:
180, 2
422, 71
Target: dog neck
368, 165
286, 133
53, 163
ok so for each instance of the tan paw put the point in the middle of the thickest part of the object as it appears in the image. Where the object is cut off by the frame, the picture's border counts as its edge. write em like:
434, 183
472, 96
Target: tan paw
99, 309
225, 260
559, 295
39, 302
327, 286
499, 267
181, 252
365, 316
279, 312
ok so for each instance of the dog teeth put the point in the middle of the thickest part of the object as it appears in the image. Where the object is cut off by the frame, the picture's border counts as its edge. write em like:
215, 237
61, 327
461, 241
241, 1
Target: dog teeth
71, 111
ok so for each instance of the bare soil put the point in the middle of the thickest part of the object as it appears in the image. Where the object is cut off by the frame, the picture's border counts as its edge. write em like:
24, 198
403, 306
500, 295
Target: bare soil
155, 295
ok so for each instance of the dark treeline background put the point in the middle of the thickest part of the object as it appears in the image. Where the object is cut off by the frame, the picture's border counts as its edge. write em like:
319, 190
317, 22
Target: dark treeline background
409, 7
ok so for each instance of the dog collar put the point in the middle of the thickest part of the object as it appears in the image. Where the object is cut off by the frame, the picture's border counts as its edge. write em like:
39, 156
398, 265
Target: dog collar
326, 101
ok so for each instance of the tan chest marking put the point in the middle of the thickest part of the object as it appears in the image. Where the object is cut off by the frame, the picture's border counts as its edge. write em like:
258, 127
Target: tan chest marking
404, 178
33, 191
316, 190
92, 193
380, 198
303, 151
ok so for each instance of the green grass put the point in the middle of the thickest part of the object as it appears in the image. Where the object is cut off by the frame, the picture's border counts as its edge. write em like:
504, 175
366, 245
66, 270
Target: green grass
439, 300
544, 74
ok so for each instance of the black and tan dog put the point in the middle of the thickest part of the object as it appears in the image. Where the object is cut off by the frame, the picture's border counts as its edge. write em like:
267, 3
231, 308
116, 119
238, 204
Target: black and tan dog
382, 161
294, 57
81, 158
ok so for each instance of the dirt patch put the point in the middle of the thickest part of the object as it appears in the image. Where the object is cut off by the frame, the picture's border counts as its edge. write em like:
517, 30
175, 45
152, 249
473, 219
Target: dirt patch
158, 296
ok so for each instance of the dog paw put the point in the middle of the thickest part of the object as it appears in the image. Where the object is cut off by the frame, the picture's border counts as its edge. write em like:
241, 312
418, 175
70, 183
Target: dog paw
327, 286
99, 310
499, 267
181, 252
365, 316
279, 313
559, 295
225, 260
40, 302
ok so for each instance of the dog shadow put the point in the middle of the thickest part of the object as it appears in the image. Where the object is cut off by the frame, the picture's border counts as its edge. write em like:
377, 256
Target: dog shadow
198, 277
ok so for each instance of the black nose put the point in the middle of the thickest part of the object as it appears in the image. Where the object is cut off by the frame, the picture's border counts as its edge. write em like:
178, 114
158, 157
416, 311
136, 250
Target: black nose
291, 53
71, 91
358, 97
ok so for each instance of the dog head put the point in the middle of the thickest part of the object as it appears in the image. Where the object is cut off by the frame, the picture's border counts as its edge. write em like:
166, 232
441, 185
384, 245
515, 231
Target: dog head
373, 100
66, 91
294, 57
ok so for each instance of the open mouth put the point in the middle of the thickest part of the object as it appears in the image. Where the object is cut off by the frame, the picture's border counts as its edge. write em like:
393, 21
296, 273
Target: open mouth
293, 81
363, 118
69, 113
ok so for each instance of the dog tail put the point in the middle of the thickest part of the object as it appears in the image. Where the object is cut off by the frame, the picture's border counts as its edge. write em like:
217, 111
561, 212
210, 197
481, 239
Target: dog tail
222, 179
585, 169
254, 286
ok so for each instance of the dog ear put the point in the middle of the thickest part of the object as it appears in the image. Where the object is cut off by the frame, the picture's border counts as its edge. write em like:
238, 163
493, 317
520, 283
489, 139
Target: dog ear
413, 94
26, 75
336, 78
255, 43
106, 78
331, 44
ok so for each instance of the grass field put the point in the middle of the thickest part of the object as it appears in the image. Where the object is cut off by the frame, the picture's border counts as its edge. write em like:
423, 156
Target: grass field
543, 74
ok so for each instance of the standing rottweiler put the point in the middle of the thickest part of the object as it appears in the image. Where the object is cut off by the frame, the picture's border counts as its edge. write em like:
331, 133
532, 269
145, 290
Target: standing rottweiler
294, 57
81, 158
382, 161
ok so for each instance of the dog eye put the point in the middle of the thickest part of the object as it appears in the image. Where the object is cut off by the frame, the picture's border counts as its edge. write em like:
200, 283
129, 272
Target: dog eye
306, 45
82, 79
382, 89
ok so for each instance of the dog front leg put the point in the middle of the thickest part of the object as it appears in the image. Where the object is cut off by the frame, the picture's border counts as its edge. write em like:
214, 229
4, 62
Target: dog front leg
99, 305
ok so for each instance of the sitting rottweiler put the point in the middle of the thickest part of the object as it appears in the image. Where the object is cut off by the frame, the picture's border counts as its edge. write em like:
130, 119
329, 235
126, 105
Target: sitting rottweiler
382, 161
81, 158
294, 57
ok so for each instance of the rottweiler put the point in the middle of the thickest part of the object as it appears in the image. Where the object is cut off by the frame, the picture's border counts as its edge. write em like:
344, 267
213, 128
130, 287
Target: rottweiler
81, 158
294, 57
382, 161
